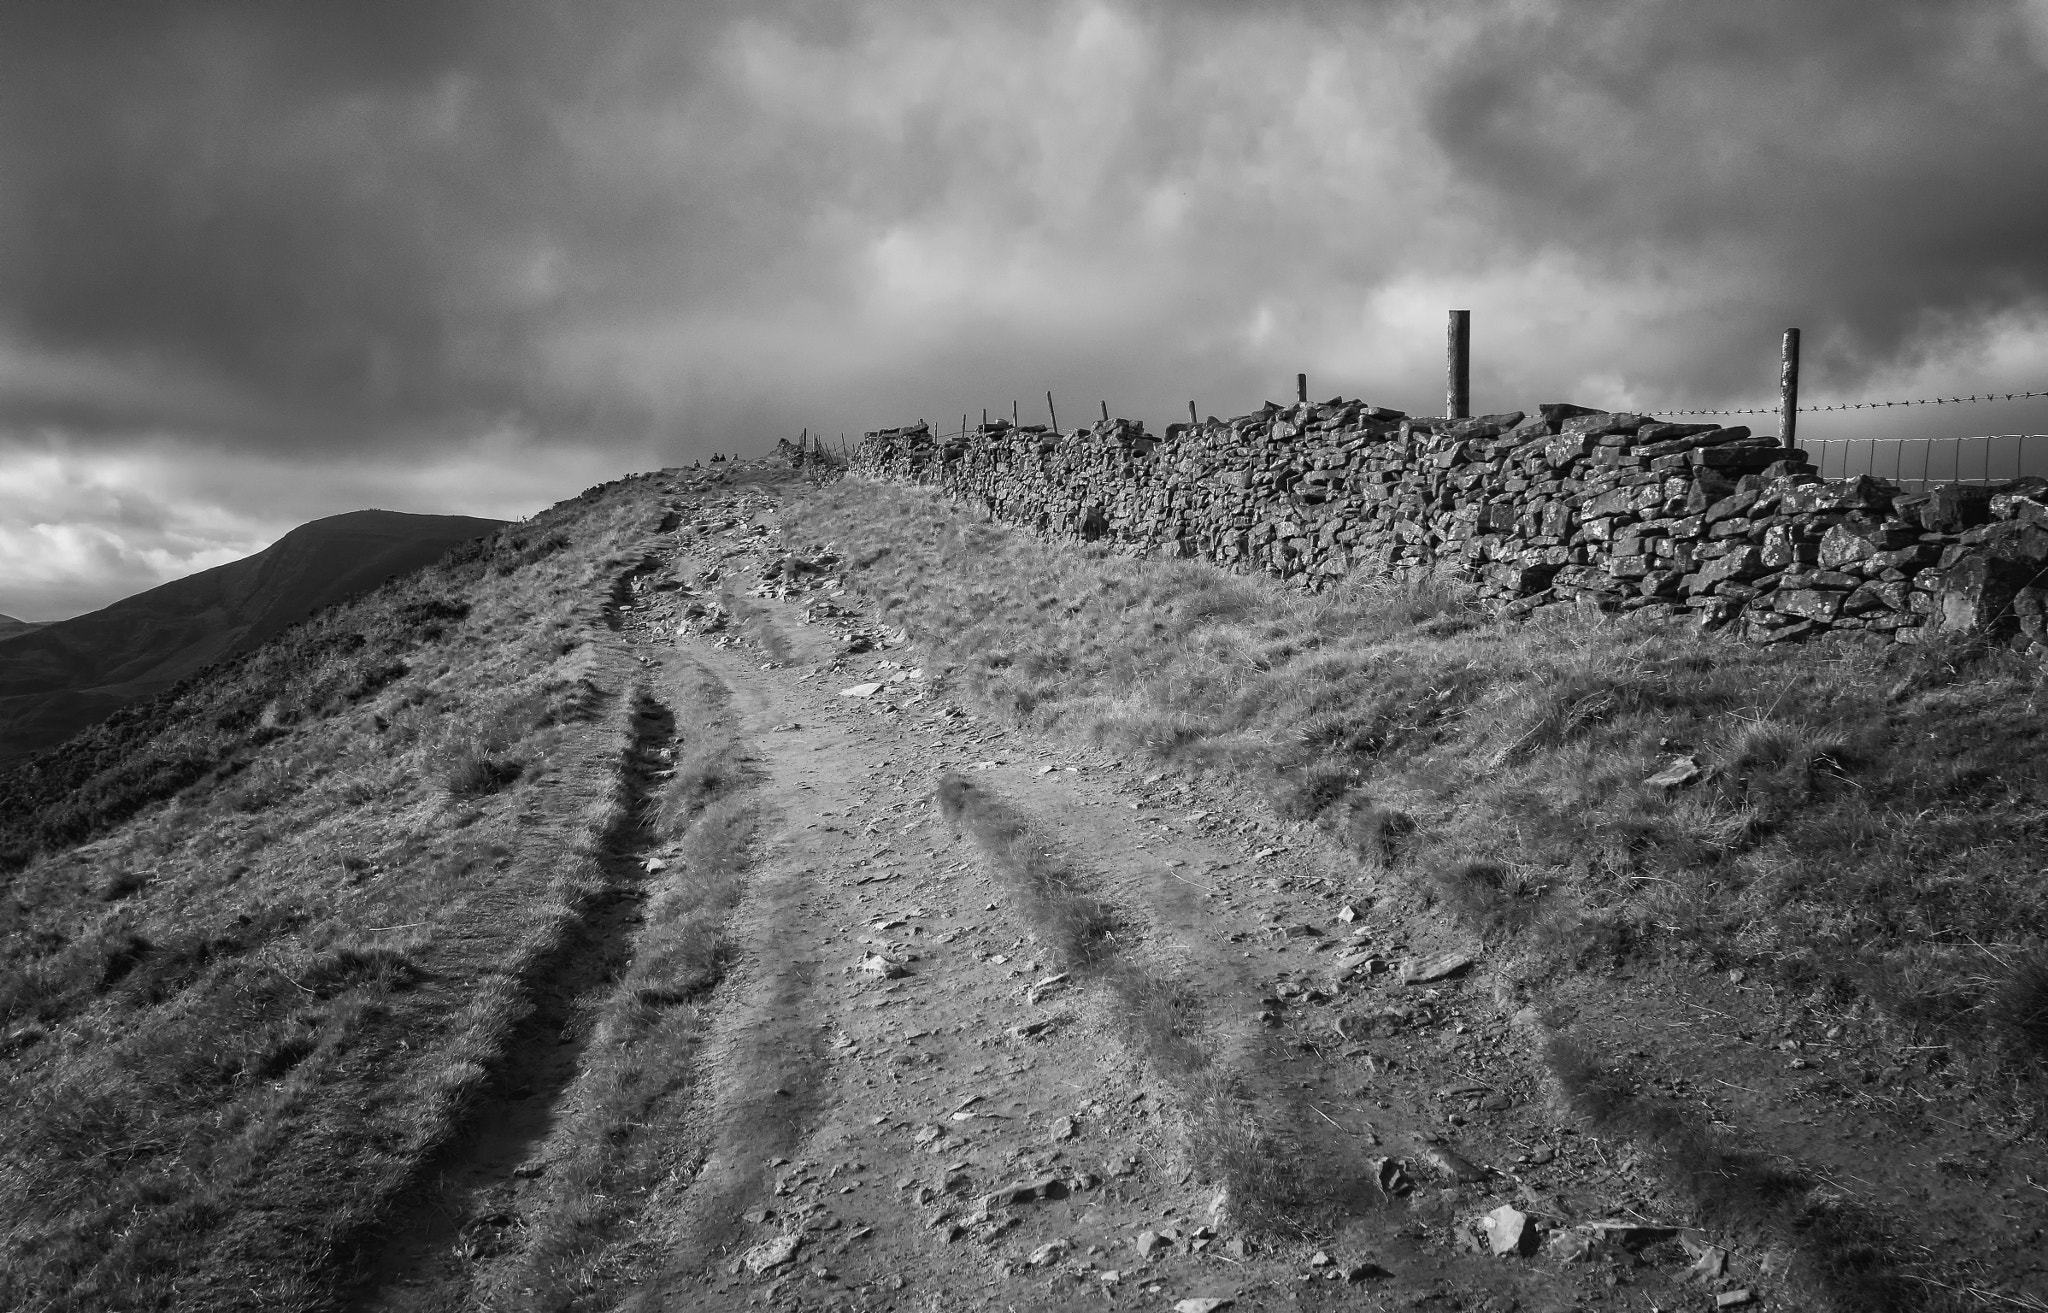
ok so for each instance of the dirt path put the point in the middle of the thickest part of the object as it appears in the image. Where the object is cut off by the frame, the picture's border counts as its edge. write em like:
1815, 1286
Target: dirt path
907, 1112
905, 1098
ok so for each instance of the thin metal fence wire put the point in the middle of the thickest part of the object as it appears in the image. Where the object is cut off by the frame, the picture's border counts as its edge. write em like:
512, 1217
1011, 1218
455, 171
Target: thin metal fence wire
1925, 462
1866, 405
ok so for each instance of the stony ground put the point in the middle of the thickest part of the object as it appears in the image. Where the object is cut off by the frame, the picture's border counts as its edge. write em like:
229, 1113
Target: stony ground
913, 1109
905, 1101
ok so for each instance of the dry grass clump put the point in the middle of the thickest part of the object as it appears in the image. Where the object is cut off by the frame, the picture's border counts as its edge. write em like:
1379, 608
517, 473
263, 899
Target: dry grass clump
1838, 815
1078, 926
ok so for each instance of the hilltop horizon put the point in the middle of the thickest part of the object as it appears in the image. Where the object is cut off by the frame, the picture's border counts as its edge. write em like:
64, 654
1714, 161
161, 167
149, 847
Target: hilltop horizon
58, 677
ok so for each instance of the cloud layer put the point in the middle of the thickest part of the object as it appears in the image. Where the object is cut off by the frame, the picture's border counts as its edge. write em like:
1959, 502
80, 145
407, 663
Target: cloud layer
395, 252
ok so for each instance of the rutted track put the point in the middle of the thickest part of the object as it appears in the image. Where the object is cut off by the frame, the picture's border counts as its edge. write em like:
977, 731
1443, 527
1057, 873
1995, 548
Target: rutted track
463, 1205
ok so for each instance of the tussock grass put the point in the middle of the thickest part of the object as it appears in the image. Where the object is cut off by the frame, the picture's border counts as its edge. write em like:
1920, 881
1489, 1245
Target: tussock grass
1863, 825
1164, 1021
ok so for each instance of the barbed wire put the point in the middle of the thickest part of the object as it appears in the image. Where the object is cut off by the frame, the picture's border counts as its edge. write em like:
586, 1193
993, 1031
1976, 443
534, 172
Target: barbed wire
1750, 410
1867, 405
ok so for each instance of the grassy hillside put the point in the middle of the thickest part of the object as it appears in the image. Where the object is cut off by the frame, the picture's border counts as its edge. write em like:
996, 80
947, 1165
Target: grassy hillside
10, 627
57, 678
1863, 822
265, 935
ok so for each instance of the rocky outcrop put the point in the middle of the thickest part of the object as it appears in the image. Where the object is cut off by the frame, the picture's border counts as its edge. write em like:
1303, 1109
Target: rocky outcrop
1567, 504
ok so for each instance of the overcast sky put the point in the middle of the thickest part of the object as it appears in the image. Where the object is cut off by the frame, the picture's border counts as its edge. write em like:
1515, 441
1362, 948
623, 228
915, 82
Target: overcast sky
266, 261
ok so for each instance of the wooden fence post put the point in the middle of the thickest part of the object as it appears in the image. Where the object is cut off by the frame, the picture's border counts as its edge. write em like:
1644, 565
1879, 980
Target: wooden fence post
1301, 387
1194, 420
1050, 413
1458, 365
1788, 389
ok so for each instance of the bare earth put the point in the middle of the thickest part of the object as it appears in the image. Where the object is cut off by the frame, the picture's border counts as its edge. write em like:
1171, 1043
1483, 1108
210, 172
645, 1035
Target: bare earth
954, 1126
903, 1100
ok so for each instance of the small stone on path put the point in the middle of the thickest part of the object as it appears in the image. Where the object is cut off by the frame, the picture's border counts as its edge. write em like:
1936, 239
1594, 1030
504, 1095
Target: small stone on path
1436, 966
772, 1254
1508, 1230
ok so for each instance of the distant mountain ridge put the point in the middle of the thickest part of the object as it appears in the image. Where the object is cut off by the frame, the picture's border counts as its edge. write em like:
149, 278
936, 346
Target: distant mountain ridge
57, 678
10, 627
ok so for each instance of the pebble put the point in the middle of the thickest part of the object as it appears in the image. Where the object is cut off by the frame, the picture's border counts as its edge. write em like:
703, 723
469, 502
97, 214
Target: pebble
772, 1254
1508, 1231
1453, 1164
1436, 966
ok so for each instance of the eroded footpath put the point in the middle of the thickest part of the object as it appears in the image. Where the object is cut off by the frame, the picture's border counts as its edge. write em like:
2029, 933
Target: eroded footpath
909, 1103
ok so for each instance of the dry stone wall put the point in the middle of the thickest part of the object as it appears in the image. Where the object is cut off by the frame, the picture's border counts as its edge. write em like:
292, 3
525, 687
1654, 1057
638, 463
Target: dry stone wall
1567, 504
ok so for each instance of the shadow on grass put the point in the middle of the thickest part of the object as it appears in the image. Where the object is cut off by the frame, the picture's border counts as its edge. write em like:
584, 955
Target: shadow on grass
1842, 1252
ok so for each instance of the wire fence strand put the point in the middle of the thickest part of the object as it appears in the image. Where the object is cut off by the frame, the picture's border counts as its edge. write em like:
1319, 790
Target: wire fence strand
1923, 462
1867, 405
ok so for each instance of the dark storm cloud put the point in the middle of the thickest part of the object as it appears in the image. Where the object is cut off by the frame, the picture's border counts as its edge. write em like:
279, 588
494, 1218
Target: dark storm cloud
328, 219
1869, 171
468, 255
377, 221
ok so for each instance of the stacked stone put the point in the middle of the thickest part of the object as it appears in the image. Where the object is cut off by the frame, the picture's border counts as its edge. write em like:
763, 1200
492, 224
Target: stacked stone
1612, 510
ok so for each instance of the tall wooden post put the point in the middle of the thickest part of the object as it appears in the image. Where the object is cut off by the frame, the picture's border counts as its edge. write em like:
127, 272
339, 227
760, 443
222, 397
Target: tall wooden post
1458, 366
1301, 387
1015, 422
1788, 389
1194, 420
1050, 413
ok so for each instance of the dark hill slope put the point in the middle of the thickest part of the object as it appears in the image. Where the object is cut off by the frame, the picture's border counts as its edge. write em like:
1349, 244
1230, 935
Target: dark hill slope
10, 627
59, 678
